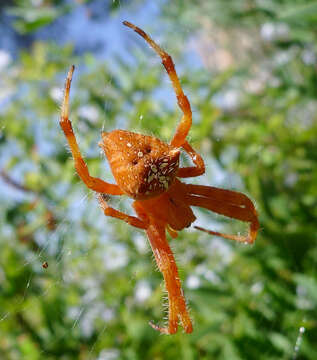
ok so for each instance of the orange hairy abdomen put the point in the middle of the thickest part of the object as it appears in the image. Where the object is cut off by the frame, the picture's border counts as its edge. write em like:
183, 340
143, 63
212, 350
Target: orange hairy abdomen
143, 166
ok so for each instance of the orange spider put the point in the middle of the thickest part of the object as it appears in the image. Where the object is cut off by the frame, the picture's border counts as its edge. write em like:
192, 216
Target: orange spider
147, 170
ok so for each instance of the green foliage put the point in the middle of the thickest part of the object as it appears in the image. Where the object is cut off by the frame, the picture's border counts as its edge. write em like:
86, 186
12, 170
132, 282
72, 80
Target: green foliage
31, 15
100, 289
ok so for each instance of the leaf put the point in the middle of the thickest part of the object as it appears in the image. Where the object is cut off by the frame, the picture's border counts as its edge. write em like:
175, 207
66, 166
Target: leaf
299, 13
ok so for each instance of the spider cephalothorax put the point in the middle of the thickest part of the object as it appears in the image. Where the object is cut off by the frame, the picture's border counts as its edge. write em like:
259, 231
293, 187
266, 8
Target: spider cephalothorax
147, 170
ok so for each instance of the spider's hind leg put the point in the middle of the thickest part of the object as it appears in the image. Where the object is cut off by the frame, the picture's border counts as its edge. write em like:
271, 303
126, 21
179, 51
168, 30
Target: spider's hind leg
229, 203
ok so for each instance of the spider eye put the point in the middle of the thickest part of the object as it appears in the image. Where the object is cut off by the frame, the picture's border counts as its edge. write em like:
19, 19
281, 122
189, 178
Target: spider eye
148, 149
134, 162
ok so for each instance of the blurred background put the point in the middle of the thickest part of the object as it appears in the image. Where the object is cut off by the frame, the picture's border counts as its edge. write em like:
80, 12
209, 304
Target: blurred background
249, 70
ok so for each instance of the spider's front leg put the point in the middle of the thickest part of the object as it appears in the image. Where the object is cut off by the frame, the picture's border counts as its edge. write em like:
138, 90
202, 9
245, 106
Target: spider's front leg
131, 220
165, 260
91, 182
192, 171
182, 100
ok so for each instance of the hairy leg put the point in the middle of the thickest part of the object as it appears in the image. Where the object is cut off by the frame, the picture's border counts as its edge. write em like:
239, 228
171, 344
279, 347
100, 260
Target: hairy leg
186, 121
229, 203
109, 211
192, 171
166, 263
91, 182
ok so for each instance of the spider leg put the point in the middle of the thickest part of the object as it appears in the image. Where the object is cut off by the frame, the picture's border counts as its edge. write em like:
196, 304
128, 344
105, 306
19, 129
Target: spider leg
109, 211
166, 263
192, 171
91, 182
228, 203
186, 121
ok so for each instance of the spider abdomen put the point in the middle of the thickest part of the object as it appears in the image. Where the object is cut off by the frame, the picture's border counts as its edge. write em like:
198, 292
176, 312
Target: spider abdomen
143, 166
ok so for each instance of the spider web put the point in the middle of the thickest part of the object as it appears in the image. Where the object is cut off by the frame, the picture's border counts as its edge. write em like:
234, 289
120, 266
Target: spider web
115, 257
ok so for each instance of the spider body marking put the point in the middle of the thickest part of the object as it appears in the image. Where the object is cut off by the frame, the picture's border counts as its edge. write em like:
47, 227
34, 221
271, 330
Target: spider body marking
147, 170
